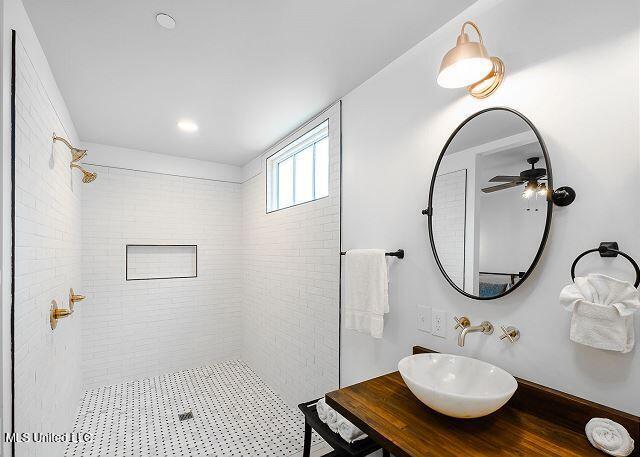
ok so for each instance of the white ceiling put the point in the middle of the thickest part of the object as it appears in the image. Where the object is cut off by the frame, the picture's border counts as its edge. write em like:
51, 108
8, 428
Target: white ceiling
247, 71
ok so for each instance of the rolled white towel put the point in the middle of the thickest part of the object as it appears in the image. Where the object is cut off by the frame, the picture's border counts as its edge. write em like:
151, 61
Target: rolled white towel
609, 436
322, 409
332, 419
349, 432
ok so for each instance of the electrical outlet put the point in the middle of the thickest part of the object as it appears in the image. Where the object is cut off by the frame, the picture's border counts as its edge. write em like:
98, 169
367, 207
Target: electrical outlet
424, 319
439, 323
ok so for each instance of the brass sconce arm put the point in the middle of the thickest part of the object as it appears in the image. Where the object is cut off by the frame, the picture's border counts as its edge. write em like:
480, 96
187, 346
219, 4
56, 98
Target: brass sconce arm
472, 24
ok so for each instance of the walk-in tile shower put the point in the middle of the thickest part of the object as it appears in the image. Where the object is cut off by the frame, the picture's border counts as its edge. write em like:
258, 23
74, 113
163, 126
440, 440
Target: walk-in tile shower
205, 319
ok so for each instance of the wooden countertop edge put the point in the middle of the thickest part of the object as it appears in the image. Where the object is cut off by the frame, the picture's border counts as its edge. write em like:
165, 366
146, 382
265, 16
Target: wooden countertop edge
381, 439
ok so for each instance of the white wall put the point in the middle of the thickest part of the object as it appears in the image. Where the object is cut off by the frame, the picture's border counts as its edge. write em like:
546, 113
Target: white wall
137, 329
47, 368
572, 68
15, 17
291, 275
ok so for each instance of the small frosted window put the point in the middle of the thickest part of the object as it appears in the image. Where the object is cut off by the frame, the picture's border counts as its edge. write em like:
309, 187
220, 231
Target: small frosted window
299, 172
285, 183
304, 175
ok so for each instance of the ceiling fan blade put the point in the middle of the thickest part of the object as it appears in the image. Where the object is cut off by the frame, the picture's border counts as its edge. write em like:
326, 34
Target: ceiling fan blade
508, 185
500, 178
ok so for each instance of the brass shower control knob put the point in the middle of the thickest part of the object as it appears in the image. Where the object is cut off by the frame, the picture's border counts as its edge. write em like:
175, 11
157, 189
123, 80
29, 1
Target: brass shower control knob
511, 333
56, 313
73, 298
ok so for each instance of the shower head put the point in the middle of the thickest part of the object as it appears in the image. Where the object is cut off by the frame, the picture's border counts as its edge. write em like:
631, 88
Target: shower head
76, 154
88, 176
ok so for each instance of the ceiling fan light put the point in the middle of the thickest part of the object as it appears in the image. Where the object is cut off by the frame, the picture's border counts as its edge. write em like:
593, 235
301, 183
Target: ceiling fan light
530, 189
542, 190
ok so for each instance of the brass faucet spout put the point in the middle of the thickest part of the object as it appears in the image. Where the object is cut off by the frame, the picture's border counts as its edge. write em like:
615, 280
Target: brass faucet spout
485, 327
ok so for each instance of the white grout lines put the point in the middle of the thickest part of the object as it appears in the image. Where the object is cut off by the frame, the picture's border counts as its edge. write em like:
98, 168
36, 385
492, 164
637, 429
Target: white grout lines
234, 414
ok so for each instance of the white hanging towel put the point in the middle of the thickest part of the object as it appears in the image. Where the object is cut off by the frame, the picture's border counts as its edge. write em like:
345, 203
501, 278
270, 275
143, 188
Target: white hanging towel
601, 311
367, 291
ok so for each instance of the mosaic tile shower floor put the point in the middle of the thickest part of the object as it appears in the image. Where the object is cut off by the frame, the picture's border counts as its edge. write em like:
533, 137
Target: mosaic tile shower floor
234, 414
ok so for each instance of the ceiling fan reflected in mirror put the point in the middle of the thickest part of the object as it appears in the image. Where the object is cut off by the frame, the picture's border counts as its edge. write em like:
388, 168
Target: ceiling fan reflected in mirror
531, 177
562, 196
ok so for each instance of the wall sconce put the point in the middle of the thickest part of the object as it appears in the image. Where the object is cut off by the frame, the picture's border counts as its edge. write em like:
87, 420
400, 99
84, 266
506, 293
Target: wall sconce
563, 196
469, 65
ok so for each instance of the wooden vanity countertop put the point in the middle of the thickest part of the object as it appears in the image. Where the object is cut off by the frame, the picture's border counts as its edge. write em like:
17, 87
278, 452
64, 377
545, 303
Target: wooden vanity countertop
386, 410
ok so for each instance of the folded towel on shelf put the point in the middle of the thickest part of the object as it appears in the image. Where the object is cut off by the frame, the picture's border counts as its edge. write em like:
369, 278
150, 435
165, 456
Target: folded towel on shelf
322, 409
609, 437
349, 432
367, 291
601, 312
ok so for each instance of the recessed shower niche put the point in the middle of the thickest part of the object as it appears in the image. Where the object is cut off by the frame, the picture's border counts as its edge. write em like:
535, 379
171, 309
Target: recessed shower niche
158, 261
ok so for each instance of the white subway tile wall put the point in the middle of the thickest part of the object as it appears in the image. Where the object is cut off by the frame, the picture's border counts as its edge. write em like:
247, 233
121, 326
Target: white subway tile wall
47, 239
266, 290
138, 329
290, 293
449, 196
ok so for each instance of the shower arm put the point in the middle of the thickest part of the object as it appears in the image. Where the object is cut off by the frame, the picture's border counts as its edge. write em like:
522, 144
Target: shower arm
59, 138
76, 154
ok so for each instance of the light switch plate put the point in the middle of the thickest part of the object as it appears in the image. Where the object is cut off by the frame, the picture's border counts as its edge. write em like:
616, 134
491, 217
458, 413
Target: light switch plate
439, 323
424, 319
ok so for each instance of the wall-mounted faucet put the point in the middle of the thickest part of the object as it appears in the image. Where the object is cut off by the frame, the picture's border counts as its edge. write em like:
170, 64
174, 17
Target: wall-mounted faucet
465, 324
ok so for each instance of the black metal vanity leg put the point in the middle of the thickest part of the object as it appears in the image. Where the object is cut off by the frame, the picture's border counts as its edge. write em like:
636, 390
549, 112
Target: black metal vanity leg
385, 453
307, 440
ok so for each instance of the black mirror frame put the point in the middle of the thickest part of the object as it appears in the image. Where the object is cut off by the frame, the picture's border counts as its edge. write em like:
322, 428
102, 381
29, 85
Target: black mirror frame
547, 227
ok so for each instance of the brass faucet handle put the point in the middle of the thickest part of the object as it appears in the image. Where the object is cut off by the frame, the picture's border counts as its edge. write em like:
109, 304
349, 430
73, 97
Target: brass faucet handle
56, 313
511, 333
73, 298
462, 322
61, 313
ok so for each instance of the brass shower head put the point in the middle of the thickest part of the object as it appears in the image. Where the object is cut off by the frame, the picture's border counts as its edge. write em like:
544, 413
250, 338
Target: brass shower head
88, 176
76, 154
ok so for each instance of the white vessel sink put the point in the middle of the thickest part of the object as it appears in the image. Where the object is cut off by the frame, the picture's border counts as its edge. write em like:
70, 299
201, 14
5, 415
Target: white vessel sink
457, 386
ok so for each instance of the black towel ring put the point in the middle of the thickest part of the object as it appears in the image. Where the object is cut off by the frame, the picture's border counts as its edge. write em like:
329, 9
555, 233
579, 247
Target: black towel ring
607, 249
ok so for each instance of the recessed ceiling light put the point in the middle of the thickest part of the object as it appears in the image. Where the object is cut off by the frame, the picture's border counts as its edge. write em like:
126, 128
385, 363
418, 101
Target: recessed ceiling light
188, 126
166, 21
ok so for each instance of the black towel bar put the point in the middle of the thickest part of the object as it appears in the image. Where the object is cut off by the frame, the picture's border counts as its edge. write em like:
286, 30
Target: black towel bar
399, 253
607, 249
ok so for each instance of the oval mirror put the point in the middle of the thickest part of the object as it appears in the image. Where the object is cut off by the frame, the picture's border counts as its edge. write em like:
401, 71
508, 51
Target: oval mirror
489, 204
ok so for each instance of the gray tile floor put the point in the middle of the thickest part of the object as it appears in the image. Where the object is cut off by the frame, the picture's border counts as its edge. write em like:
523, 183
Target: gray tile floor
234, 414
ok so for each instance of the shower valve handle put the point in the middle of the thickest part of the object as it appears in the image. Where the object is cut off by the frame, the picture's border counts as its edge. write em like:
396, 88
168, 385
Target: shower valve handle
73, 298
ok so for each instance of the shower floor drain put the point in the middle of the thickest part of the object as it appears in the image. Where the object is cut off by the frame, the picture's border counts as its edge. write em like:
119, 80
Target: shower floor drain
185, 416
